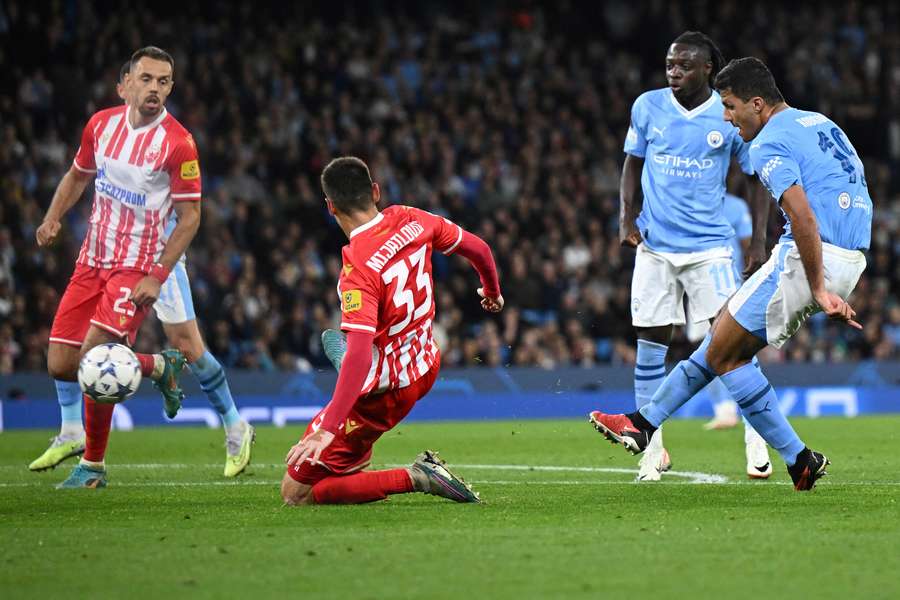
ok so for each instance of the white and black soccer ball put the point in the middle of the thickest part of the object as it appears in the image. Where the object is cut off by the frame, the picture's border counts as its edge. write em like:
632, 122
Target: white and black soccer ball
109, 373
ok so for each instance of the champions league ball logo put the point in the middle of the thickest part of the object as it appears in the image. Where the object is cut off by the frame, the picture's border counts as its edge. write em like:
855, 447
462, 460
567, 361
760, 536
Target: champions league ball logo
714, 139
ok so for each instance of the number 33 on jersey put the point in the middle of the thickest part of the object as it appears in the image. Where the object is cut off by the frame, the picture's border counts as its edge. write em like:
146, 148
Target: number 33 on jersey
386, 289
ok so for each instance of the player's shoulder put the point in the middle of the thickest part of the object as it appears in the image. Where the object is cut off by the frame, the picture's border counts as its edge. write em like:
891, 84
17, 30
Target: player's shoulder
104, 115
773, 136
653, 99
177, 133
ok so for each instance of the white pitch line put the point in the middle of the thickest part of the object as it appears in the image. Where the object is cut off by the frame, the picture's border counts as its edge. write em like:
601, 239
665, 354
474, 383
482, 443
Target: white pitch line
687, 477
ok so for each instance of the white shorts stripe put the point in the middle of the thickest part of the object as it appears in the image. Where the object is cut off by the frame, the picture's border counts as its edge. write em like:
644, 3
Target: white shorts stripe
108, 328
56, 340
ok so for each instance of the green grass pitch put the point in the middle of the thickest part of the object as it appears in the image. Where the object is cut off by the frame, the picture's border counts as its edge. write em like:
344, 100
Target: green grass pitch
561, 518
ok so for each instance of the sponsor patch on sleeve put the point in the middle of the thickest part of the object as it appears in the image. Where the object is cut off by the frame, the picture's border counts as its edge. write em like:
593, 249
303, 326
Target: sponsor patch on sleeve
352, 301
190, 169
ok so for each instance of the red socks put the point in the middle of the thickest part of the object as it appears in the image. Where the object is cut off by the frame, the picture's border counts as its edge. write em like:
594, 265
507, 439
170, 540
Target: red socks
147, 364
97, 420
365, 486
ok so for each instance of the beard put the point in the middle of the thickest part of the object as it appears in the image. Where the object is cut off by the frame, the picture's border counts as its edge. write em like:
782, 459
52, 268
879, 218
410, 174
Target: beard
149, 110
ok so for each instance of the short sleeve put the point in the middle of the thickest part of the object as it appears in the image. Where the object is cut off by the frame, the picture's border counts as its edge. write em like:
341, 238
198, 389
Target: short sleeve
636, 138
741, 151
446, 235
84, 158
359, 293
775, 166
183, 167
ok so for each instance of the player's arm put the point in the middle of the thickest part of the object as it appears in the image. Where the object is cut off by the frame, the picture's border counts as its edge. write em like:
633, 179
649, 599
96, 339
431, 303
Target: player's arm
630, 200
147, 290
68, 192
809, 244
755, 253
354, 369
478, 253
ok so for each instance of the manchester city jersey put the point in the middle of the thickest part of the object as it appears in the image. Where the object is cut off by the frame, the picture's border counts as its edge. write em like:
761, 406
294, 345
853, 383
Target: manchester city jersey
686, 157
808, 149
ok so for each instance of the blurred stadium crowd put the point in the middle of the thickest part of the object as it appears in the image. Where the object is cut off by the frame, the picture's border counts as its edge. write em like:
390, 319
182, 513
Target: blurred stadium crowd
509, 121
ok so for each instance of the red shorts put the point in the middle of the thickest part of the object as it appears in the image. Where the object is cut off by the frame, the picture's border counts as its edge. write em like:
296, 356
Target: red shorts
98, 297
370, 417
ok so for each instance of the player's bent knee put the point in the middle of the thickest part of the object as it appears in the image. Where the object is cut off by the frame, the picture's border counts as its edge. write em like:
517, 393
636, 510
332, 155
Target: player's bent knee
62, 362
186, 339
295, 493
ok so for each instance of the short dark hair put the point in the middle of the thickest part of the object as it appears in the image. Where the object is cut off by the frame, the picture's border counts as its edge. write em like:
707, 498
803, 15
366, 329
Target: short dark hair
701, 40
125, 70
153, 52
749, 77
347, 183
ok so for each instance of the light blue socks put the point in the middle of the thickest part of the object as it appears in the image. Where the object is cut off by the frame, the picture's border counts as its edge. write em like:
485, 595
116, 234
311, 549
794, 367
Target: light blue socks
212, 380
759, 405
649, 370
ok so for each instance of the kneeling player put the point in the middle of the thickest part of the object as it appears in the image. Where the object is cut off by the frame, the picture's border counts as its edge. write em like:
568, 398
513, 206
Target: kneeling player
391, 359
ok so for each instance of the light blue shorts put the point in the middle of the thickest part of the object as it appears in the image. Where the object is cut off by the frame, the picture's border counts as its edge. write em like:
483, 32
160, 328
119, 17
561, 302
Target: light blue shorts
175, 304
775, 301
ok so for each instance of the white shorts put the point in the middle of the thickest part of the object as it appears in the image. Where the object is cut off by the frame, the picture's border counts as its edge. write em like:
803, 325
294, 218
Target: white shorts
775, 300
661, 280
175, 304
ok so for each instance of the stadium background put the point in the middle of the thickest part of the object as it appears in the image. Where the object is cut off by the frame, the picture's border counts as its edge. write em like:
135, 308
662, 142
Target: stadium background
509, 120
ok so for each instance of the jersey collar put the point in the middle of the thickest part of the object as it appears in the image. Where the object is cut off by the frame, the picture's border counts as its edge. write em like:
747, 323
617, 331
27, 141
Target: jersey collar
690, 114
154, 123
375, 221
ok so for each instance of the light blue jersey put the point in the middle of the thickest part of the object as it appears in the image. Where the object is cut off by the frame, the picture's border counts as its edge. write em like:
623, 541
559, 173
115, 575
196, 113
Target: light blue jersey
808, 149
686, 157
737, 213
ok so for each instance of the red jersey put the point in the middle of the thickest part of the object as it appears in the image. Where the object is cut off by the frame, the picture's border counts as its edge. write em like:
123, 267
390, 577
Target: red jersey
386, 288
140, 173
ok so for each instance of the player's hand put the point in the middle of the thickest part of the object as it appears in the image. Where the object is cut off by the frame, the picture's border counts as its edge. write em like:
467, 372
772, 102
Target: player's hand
629, 236
309, 448
490, 304
756, 257
47, 233
836, 308
146, 292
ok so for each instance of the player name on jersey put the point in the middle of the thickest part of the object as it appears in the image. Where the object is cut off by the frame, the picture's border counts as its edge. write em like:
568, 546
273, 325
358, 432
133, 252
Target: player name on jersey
407, 234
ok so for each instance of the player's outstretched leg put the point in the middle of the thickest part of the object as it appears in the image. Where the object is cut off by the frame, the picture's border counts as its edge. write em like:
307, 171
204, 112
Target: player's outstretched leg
635, 430
70, 441
428, 474
239, 434
335, 346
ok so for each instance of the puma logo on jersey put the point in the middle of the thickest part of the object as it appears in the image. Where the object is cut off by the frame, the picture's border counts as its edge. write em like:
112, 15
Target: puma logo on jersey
661, 132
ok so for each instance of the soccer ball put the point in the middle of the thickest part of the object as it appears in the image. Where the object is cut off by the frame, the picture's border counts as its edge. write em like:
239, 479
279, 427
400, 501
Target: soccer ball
109, 373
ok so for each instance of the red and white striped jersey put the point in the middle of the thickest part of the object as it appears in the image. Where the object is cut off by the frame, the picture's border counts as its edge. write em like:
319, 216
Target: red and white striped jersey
386, 289
140, 173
